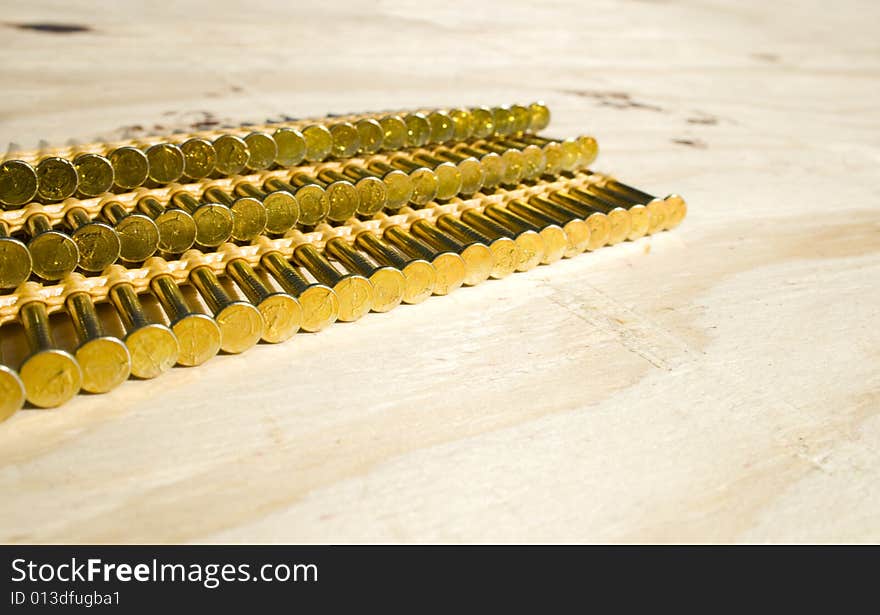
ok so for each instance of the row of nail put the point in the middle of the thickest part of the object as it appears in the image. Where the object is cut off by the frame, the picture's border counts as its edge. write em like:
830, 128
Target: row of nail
254, 206
94, 169
355, 269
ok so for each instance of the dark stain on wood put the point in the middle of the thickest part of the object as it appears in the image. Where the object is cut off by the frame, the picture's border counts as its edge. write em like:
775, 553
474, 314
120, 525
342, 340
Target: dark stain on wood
615, 100
706, 120
697, 143
53, 28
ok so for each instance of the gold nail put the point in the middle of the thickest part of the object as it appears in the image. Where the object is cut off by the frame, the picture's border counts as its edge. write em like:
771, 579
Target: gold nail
478, 258
320, 306
241, 324
506, 253
355, 293
449, 177
314, 205
469, 170
130, 167
282, 314
18, 183
249, 216
232, 154
177, 229
372, 191
95, 174
449, 267
419, 274
342, 196
12, 394
553, 240
424, 181
104, 360
600, 229
199, 158
214, 222
398, 185
15, 260
262, 151
53, 254
166, 163
291, 145
388, 282
577, 232
197, 334
282, 210
97, 243
56, 179
138, 234
51, 376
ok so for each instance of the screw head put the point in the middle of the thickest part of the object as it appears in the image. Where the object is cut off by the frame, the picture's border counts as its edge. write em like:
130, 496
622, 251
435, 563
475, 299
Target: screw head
154, 350
18, 183
51, 378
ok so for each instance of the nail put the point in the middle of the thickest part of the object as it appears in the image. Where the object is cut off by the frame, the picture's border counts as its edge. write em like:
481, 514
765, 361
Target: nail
51, 376
241, 324
553, 239
199, 158
449, 267
342, 195
584, 202
319, 142
539, 116
577, 232
130, 167
165, 162
104, 360
478, 258
248, 214
372, 191
346, 140
18, 183
354, 292
97, 243
56, 179
493, 166
12, 395
95, 174
282, 314
396, 132
442, 127
419, 274
197, 334
398, 185
672, 209
232, 155
449, 177
483, 122
418, 130
469, 169
513, 160
282, 210
388, 283
138, 234
531, 159
177, 229
153, 347
53, 254
524, 250
505, 252
314, 205
214, 222
291, 145
640, 217
598, 224
505, 122
15, 260
424, 181
320, 306
262, 151
371, 134
462, 124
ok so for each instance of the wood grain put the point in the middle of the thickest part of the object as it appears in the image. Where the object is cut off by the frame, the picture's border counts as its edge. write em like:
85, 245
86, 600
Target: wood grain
719, 383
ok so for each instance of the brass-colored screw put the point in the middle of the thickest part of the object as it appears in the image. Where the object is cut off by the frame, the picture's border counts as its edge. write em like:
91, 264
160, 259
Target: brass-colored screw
584, 202
18, 183
138, 234
262, 151
51, 376
372, 191
104, 360
12, 393
15, 260
388, 283
342, 195
56, 179
97, 243
197, 334
312, 200
346, 140
449, 267
478, 258
553, 239
527, 247
199, 158
282, 314
165, 162
95, 174
419, 275
577, 232
291, 145
469, 170
320, 306
177, 229
449, 177
53, 254
398, 185
598, 224
248, 214
214, 222
505, 252
354, 292
153, 347
282, 210
130, 167
424, 181
241, 324
232, 154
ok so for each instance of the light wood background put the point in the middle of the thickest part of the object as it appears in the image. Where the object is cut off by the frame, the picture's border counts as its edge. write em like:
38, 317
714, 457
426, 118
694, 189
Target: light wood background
716, 383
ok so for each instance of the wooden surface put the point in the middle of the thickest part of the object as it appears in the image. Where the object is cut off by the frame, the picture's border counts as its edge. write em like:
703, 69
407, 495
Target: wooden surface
717, 383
